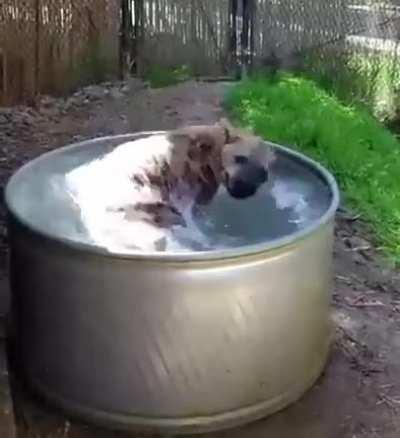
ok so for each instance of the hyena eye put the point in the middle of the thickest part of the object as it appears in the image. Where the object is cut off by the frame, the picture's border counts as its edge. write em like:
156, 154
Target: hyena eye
241, 159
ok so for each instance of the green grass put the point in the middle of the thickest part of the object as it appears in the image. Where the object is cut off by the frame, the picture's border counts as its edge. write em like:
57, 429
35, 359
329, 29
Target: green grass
96, 65
160, 77
363, 155
363, 78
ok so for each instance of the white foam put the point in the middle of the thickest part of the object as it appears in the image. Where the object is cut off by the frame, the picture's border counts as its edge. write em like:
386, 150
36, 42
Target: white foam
103, 187
292, 194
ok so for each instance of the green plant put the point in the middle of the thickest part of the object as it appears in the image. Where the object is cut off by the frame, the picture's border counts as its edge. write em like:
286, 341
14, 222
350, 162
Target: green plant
364, 156
160, 77
96, 64
359, 77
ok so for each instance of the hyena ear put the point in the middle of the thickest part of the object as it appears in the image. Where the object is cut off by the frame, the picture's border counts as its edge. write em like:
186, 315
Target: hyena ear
231, 133
224, 122
235, 133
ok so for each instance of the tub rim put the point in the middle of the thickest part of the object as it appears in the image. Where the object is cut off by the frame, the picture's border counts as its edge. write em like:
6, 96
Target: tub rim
228, 253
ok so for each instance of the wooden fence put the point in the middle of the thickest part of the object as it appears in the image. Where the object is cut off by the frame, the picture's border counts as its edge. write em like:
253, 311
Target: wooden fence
52, 46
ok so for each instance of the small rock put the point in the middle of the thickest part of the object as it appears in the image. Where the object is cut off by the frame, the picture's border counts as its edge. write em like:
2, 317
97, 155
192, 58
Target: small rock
95, 92
125, 89
134, 85
50, 112
116, 94
47, 101
357, 243
359, 259
7, 112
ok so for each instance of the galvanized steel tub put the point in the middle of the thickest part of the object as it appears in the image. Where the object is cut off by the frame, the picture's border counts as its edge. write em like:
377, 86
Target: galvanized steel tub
174, 343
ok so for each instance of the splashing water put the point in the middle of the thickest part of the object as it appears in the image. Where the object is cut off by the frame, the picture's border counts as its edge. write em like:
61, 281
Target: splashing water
295, 198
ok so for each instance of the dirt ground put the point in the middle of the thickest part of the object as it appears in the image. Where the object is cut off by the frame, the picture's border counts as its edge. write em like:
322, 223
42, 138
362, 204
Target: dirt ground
359, 393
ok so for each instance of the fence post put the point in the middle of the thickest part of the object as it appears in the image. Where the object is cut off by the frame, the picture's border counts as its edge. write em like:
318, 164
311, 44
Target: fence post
36, 79
125, 36
247, 35
139, 34
252, 16
232, 46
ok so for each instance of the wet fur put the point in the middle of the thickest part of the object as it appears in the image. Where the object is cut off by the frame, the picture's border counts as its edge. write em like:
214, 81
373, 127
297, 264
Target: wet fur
201, 157
133, 198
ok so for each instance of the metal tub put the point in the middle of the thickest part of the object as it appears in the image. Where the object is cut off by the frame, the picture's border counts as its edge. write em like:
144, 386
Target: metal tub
174, 343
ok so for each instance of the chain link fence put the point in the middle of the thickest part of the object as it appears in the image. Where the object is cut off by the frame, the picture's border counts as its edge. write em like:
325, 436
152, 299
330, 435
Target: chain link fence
349, 46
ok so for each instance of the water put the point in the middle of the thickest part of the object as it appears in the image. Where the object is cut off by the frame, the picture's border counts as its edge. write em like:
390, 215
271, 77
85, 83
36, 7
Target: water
295, 198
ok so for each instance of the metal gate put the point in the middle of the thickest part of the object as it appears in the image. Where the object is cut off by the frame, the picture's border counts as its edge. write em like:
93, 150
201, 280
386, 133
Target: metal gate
211, 38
